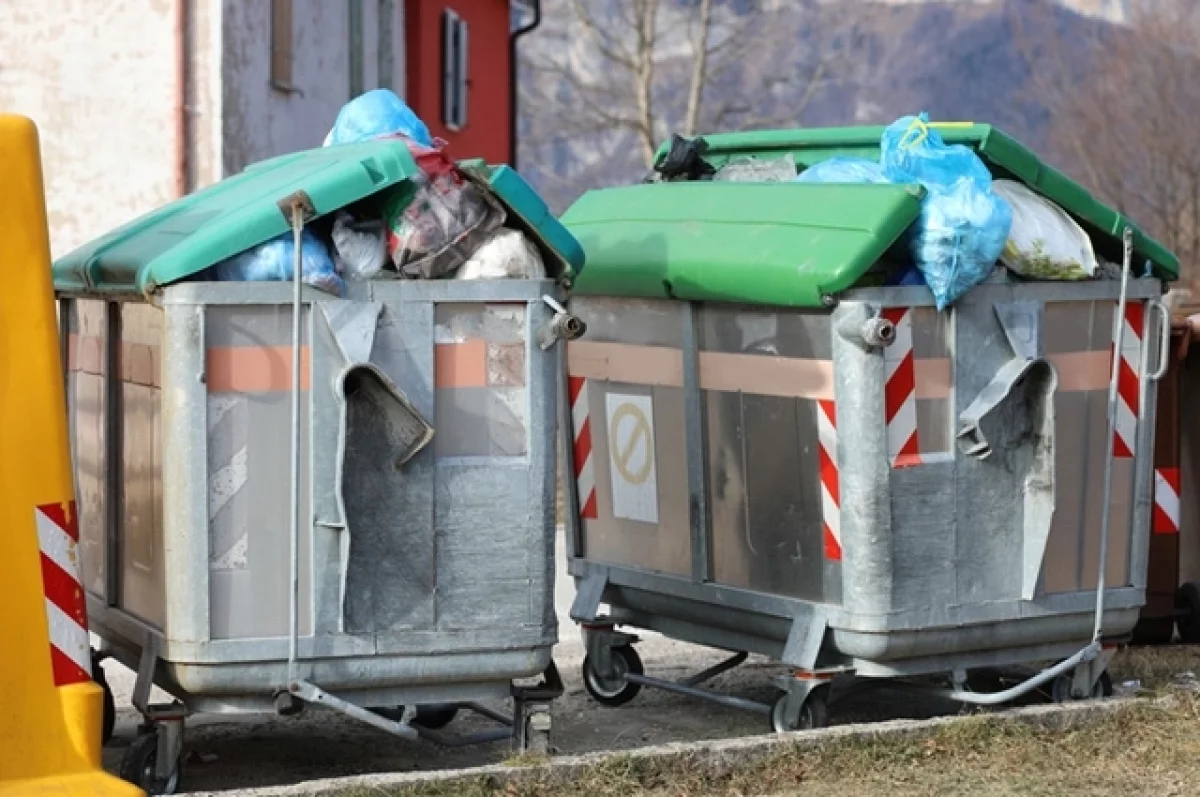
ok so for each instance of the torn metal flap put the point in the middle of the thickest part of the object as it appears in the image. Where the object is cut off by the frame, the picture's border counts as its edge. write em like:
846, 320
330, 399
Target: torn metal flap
379, 432
971, 437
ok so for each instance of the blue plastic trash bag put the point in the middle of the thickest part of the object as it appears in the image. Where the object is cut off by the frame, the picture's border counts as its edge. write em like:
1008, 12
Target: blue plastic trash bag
959, 238
964, 225
843, 170
908, 275
911, 151
375, 114
272, 262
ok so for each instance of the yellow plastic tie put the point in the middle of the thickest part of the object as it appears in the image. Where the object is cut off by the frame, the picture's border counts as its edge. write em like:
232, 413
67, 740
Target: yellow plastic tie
921, 130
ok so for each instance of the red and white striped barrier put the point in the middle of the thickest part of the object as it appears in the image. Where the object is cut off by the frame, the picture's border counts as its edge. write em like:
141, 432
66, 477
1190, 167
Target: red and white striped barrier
66, 606
1166, 501
585, 473
900, 391
1129, 381
831, 497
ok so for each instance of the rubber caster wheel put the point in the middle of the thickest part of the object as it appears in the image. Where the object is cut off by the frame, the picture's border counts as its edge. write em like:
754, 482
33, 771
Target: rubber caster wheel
814, 712
614, 691
1060, 689
140, 764
109, 721
1187, 604
435, 717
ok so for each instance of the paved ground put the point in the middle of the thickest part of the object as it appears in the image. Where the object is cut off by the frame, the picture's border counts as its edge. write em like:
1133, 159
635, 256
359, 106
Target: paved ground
240, 752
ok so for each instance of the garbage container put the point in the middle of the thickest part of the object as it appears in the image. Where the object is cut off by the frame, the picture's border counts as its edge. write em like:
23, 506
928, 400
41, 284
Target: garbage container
1167, 601
425, 567
774, 453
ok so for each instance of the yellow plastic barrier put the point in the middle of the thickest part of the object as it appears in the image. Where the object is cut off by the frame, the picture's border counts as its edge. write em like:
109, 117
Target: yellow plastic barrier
50, 711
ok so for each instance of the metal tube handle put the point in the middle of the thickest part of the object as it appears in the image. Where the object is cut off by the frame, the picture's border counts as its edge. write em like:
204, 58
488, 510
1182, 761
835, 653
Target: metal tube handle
1164, 340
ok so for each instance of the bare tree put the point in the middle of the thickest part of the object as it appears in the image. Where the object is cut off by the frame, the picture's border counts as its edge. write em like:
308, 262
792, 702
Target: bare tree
1125, 110
635, 70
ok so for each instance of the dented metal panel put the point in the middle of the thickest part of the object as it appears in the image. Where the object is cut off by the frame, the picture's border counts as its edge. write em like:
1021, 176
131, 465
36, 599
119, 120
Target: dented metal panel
937, 499
424, 566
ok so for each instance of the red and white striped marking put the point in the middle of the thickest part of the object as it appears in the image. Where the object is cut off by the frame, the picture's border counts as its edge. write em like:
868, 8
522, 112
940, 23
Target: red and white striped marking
585, 470
1166, 501
831, 496
900, 391
66, 606
1129, 381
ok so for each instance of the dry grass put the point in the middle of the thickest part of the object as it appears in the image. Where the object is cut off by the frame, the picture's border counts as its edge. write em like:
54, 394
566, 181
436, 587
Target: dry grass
1150, 748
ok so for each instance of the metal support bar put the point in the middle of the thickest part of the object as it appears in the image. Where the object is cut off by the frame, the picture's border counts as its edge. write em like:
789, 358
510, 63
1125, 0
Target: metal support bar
715, 670
484, 711
728, 701
140, 699
318, 696
996, 698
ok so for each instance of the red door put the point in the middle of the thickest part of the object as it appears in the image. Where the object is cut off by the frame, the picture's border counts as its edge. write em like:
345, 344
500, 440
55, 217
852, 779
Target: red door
460, 73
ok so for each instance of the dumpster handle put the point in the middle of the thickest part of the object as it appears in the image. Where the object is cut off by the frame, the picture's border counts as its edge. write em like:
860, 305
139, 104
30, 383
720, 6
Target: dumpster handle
1164, 340
297, 221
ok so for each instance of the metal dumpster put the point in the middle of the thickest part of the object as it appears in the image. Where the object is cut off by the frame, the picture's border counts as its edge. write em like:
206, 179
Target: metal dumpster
423, 570
1167, 601
776, 454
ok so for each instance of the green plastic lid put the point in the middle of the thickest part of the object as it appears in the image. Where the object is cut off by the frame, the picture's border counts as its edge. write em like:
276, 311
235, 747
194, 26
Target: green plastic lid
786, 244
184, 238
1005, 157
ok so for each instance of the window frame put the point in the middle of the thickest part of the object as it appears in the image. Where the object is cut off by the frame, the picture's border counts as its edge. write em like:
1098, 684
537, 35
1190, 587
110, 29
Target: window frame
455, 61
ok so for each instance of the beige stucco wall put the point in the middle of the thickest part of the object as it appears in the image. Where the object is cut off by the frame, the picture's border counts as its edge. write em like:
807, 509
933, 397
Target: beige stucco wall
97, 78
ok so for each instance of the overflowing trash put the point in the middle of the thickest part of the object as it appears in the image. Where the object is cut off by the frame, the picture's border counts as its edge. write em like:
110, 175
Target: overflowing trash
440, 223
507, 255
376, 114
360, 246
972, 226
843, 170
273, 262
1045, 243
758, 170
964, 224
435, 225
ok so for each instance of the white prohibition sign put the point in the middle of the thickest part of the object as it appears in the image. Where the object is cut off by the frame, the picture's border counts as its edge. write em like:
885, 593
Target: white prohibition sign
631, 457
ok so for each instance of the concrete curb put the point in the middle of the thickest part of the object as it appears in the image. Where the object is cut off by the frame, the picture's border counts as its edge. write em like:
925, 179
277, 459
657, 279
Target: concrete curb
718, 756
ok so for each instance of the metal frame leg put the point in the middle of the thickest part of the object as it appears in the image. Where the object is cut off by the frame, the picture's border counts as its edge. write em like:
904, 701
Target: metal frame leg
531, 712
170, 747
1087, 675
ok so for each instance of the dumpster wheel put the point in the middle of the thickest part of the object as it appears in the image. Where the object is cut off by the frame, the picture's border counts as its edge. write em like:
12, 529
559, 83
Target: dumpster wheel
814, 712
140, 762
1187, 611
614, 691
1060, 688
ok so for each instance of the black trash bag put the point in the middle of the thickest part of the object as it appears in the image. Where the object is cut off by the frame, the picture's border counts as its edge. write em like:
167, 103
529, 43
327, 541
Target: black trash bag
685, 160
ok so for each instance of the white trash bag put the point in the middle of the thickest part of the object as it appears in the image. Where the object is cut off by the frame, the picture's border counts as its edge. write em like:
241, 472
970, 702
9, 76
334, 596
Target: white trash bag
507, 255
1045, 243
361, 247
